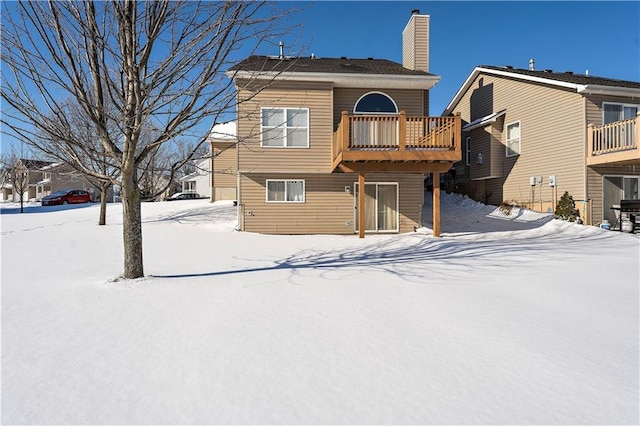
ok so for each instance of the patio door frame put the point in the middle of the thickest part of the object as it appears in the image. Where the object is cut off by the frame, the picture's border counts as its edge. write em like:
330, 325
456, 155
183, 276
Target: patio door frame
376, 207
607, 213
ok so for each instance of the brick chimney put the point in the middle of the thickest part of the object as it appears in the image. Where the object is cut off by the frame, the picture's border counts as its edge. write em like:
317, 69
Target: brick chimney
415, 42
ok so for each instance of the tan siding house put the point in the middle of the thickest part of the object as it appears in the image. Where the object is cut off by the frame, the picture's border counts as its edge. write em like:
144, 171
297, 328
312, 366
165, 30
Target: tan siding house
530, 140
224, 161
340, 145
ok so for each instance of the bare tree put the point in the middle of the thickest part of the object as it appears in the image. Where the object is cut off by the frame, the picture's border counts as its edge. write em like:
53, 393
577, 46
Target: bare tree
15, 171
72, 138
128, 64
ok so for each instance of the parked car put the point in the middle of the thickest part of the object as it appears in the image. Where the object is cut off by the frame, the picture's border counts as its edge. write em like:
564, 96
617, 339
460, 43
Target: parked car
68, 196
184, 196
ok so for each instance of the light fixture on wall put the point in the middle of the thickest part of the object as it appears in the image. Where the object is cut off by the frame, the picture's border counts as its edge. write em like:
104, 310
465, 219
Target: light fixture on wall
479, 160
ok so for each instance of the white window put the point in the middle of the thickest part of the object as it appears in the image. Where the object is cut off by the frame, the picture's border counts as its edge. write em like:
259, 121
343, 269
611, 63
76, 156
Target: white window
513, 139
618, 112
285, 191
467, 149
189, 186
285, 127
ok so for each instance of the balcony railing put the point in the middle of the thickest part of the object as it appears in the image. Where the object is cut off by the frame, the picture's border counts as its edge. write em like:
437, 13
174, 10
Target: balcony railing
614, 142
396, 138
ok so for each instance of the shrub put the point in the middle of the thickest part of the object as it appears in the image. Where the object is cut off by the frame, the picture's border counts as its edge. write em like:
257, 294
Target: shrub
566, 208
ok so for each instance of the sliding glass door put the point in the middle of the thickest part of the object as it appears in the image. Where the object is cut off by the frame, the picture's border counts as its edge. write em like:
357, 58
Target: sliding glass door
380, 207
616, 188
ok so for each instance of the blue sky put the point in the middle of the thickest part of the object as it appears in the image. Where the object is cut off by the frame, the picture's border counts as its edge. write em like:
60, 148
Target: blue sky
602, 37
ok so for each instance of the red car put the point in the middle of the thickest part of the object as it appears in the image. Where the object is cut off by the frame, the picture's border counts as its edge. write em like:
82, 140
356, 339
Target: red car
69, 196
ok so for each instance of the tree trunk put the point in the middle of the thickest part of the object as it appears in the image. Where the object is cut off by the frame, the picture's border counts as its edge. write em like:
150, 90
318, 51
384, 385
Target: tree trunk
132, 225
21, 203
103, 203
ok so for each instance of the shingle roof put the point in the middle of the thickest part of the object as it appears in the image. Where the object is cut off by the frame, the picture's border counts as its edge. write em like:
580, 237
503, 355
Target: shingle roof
325, 65
34, 164
567, 77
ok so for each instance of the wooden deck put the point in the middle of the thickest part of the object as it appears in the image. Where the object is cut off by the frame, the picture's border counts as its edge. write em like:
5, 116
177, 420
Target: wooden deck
396, 143
616, 143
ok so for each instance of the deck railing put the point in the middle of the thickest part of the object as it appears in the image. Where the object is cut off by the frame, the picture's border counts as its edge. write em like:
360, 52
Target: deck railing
613, 137
396, 133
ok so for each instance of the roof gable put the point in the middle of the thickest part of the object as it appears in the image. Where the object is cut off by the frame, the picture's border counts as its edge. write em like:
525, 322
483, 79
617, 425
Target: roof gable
581, 84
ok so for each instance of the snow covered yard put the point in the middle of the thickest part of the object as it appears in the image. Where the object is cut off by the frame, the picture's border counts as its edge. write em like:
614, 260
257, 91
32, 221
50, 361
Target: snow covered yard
514, 319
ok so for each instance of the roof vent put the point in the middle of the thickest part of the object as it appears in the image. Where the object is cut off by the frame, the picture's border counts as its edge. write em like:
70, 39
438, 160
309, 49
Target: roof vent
548, 70
313, 56
532, 65
371, 59
568, 72
281, 44
509, 67
415, 12
343, 57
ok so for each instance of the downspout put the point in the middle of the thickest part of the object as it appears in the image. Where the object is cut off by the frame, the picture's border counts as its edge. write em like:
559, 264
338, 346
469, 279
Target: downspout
585, 186
361, 213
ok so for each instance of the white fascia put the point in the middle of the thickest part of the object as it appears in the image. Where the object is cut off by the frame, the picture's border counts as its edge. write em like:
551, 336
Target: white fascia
592, 89
477, 70
365, 81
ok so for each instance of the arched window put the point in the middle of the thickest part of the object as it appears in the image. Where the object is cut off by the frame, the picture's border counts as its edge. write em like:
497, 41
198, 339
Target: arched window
375, 103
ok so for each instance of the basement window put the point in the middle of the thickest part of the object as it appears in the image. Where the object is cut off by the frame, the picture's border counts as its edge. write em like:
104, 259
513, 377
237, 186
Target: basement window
285, 191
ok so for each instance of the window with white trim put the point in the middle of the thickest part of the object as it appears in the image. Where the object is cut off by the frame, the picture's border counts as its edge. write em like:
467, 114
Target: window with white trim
513, 139
189, 186
375, 103
285, 127
285, 191
612, 112
467, 150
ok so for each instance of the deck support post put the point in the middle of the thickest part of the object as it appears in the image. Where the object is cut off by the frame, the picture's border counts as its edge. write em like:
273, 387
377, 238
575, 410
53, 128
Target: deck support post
436, 203
361, 215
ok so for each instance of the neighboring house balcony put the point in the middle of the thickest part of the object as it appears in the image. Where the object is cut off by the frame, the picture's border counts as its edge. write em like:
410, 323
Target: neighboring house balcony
396, 143
616, 143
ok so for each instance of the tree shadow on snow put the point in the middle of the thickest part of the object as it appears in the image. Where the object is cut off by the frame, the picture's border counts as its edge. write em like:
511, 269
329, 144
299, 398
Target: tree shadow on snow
410, 256
38, 208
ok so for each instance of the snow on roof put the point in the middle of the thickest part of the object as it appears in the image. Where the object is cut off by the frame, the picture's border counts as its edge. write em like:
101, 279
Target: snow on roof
224, 131
483, 121
51, 166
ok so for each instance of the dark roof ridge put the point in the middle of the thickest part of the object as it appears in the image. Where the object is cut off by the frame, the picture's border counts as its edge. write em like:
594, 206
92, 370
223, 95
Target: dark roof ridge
566, 76
308, 64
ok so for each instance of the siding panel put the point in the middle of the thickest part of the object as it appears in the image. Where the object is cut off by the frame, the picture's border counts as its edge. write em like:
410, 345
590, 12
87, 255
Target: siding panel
409, 101
552, 135
316, 158
328, 208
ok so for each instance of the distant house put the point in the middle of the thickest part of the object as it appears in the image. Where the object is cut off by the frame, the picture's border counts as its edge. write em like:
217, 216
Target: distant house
339, 145
530, 135
60, 176
224, 161
198, 181
35, 175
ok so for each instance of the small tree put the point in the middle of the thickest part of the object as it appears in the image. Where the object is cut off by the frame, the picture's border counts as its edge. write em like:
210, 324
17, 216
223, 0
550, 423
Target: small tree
16, 173
566, 208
